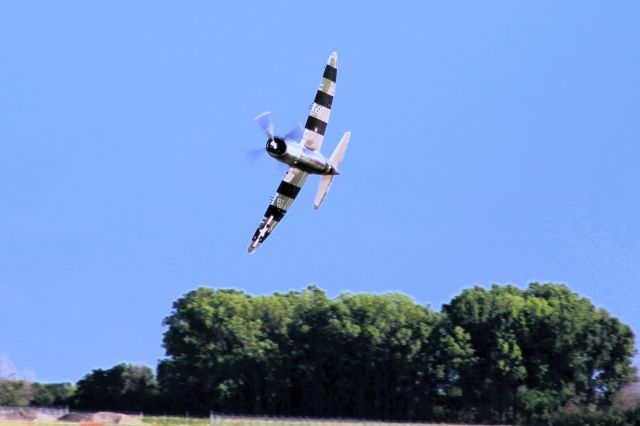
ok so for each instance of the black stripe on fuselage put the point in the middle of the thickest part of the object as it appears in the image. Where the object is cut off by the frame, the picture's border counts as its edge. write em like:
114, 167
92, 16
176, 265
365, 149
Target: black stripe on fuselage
274, 211
316, 125
330, 73
288, 190
323, 99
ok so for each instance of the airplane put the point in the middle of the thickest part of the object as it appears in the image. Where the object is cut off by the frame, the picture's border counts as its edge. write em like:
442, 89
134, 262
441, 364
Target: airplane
301, 152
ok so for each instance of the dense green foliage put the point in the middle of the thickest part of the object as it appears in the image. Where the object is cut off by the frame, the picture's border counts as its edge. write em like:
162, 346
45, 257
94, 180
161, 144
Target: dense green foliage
299, 353
23, 393
537, 350
15, 392
52, 394
124, 387
502, 355
543, 355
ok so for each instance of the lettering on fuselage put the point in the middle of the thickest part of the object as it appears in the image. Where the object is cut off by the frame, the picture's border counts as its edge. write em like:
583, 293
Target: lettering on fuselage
305, 159
313, 161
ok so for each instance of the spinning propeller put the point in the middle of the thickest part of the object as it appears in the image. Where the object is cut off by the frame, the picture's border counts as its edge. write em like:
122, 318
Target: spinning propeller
264, 121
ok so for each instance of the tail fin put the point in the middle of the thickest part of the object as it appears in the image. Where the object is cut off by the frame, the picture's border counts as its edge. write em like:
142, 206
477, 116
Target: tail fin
335, 160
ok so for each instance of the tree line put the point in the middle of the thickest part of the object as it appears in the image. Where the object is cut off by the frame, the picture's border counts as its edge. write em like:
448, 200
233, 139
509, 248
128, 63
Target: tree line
502, 354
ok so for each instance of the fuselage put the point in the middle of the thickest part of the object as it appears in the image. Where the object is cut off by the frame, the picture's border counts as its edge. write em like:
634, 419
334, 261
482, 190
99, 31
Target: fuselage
297, 155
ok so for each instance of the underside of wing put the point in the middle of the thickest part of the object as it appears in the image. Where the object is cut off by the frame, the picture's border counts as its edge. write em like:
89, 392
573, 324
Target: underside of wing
321, 107
285, 195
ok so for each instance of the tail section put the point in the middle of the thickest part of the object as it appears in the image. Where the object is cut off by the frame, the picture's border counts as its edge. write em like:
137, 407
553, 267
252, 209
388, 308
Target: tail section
338, 153
335, 160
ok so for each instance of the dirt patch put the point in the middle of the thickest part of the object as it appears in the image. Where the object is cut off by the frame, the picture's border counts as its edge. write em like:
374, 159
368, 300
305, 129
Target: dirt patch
75, 417
101, 417
25, 415
18, 415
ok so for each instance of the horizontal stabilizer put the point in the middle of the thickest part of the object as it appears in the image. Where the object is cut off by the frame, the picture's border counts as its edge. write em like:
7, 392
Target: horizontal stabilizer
335, 160
325, 183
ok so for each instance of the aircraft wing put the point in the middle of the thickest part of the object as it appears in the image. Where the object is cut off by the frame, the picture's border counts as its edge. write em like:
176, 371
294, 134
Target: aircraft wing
321, 107
286, 193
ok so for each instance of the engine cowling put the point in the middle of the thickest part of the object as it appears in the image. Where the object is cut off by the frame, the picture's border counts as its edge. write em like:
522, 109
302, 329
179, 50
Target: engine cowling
276, 146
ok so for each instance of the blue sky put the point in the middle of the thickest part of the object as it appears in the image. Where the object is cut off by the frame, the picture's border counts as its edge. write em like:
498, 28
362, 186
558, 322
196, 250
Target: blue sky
492, 142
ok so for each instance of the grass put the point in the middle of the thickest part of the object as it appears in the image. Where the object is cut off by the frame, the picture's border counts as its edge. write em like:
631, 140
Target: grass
264, 421
244, 421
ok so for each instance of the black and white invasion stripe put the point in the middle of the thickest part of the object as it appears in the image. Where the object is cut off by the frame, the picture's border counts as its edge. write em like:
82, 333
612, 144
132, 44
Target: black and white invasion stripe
285, 195
321, 107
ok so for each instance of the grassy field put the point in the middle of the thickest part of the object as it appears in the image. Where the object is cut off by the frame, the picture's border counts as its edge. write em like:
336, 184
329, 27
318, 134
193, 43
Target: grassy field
246, 421
260, 421
226, 421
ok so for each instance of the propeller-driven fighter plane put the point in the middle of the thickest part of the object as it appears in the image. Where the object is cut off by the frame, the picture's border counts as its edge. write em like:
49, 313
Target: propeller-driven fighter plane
301, 152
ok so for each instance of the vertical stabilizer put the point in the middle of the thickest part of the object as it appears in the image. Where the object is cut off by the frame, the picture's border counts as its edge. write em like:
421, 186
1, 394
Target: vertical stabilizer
338, 153
335, 160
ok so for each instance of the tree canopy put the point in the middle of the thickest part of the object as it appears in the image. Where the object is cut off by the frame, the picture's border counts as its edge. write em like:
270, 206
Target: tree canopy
124, 387
499, 354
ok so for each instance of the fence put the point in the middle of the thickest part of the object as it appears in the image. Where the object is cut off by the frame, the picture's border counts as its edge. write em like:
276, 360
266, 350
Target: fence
49, 411
220, 419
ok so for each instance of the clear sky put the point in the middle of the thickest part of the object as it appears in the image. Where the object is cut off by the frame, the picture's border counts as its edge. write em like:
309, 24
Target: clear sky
492, 142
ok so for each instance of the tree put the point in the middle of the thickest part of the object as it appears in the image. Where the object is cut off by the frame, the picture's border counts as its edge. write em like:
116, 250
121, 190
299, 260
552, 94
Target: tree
123, 387
380, 343
297, 353
218, 351
538, 350
52, 394
13, 391
497, 355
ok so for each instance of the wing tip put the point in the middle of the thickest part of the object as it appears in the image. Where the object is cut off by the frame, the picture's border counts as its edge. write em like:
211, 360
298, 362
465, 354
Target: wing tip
333, 60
